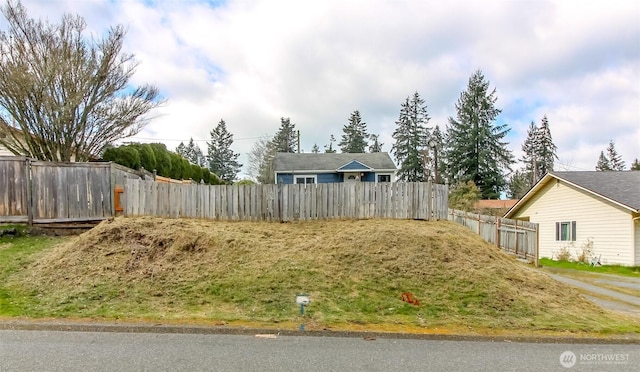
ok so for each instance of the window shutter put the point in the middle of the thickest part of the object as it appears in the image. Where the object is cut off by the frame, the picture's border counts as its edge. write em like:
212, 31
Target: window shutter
573, 231
557, 231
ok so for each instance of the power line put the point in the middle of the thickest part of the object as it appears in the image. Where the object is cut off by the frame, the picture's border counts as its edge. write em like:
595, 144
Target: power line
187, 140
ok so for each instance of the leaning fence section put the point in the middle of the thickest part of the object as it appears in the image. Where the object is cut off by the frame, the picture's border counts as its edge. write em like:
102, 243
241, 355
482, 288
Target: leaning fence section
512, 236
281, 202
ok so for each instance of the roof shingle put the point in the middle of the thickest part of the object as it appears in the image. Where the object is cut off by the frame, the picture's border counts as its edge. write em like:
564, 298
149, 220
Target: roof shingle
622, 187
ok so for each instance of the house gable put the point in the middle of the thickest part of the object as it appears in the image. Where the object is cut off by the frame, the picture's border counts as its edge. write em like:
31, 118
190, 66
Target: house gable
602, 224
333, 167
354, 166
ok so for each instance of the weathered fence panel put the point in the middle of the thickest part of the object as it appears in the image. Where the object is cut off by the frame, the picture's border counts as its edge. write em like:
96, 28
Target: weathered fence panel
281, 202
14, 187
46, 192
512, 236
63, 192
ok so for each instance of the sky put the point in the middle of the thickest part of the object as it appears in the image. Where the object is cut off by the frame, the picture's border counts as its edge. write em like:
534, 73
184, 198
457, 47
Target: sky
251, 62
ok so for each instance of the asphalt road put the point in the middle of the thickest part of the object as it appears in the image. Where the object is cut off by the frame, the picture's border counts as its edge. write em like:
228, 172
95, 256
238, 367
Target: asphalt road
109, 351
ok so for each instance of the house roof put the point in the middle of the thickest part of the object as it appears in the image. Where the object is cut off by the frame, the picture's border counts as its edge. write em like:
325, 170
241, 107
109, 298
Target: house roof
622, 188
331, 162
495, 204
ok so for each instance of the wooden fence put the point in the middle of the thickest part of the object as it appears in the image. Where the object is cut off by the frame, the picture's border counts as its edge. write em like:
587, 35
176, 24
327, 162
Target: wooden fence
45, 192
287, 202
512, 236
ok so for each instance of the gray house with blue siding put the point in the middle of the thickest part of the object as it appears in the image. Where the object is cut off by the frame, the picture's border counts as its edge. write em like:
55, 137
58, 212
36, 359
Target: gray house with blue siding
292, 168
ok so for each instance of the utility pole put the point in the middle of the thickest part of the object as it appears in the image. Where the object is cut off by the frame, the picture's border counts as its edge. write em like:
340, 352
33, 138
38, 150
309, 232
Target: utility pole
298, 141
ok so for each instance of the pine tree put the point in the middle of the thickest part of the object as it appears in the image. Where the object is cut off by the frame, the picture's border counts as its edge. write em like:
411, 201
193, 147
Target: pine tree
315, 149
354, 137
181, 150
376, 145
191, 152
411, 136
615, 160
328, 149
546, 149
286, 138
635, 165
464, 196
531, 169
519, 184
473, 145
222, 160
539, 152
603, 164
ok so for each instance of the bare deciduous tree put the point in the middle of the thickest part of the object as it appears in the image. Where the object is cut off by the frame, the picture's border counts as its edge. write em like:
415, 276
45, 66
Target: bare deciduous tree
64, 96
260, 165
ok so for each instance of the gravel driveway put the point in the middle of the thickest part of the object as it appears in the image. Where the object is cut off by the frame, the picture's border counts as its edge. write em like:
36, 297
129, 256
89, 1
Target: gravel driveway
611, 292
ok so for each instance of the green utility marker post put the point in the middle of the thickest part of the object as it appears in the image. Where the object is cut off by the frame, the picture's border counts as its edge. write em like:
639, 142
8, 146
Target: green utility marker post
303, 300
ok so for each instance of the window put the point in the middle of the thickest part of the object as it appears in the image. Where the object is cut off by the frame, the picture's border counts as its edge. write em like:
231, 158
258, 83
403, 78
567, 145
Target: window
384, 178
304, 179
566, 231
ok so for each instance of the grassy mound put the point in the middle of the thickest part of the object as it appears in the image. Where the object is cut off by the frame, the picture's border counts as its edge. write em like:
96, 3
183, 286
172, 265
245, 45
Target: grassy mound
355, 272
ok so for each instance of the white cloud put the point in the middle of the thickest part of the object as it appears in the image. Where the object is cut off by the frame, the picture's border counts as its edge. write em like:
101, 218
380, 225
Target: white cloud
251, 62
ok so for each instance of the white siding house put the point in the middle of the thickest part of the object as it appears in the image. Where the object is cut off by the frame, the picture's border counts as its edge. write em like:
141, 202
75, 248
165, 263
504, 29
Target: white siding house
4, 151
576, 210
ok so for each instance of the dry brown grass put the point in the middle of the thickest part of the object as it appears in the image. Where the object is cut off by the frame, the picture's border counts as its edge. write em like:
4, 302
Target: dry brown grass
355, 272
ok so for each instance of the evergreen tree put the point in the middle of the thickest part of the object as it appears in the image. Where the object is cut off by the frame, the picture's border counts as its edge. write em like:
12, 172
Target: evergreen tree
222, 160
464, 196
163, 159
519, 184
315, 149
191, 152
124, 155
181, 150
147, 156
615, 160
376, 145
635, 165
531, 169
354, 139
474, 146
603, 163
328, 149
546, 149
411, 136
264, 150
286, 138
539, 152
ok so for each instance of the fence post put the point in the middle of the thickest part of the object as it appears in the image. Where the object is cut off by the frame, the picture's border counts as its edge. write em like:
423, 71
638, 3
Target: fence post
112, 182
29, 190
516, 232
537, 244
498, 220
